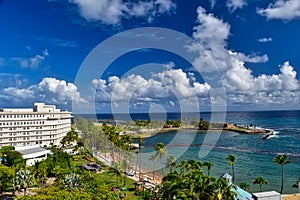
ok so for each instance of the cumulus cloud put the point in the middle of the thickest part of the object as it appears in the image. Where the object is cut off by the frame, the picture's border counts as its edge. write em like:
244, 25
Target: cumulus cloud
233, 5
264, 40
285, 10
238, 79
49, 90
113, 11
212, 34
242, 87
161, 85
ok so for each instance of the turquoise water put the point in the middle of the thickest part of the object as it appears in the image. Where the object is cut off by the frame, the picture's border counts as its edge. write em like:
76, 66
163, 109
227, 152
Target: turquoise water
253, 155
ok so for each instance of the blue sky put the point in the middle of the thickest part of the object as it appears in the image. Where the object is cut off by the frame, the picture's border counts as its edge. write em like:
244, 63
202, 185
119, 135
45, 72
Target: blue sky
254, 45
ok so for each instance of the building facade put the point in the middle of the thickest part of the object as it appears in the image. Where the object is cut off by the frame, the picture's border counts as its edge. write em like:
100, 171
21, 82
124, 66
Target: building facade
42, 125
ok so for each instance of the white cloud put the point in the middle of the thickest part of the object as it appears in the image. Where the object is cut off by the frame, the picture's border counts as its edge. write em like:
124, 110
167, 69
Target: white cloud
31, 62
35, 61
212, 34
113, 11
285, 10
161, 85
169, 65
235, 4
242, 87
212, 3
263, 40
10, 79
49, 90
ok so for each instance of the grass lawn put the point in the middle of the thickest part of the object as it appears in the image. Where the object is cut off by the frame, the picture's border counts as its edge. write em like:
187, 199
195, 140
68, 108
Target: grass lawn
130, 184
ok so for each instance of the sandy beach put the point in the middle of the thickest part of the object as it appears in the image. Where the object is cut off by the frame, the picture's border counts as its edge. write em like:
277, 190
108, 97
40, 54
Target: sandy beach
291, 197
107, 160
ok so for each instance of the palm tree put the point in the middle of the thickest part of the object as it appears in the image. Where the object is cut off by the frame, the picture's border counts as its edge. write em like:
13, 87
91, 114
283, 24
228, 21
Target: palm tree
140, 140
223, 190
171, 162
126, 141
153, 158
208, 166
182, 165
137, 159
72, 136
231, 160
245, 186
261, 181
161, 151
23, 180
116, 171
124, 166
193, 165
282, 160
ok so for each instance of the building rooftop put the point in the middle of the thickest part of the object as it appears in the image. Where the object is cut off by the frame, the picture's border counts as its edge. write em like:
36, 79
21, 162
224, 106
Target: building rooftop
266, 194
31, 150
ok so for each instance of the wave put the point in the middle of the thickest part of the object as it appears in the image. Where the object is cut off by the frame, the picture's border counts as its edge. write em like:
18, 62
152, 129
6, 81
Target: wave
237, 149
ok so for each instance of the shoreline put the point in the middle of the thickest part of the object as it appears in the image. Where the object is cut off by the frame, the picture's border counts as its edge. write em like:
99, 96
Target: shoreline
146, 177
108, 161
236, 130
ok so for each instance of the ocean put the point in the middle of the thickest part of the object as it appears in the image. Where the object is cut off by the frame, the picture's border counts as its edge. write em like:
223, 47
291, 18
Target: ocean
254, 156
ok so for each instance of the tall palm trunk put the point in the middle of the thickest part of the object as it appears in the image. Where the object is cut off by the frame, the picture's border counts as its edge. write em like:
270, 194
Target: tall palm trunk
260, 187
232, 167
281, 190
162, 168
137, 162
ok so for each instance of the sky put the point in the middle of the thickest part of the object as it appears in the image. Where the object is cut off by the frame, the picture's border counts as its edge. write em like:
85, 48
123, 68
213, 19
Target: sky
252, 48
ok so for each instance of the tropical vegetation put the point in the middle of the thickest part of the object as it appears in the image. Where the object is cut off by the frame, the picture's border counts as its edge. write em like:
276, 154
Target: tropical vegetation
187, 179
282, 160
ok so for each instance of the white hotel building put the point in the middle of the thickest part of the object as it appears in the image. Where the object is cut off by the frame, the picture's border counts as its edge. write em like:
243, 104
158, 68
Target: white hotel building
39, 126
